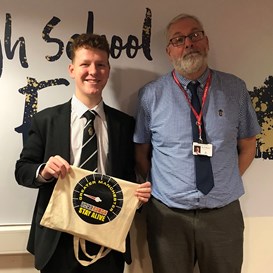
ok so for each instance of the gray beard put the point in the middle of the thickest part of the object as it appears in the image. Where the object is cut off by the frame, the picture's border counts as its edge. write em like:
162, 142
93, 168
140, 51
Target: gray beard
190, 64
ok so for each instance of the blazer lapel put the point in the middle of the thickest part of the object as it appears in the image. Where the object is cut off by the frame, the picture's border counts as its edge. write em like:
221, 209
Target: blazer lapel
63, 127
114, 140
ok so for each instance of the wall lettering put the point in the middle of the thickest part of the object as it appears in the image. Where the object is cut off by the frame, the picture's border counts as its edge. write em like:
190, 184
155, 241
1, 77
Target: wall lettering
130, 47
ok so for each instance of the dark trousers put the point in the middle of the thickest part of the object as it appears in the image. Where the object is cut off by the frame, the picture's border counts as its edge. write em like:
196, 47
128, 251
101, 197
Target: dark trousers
64, 261
179, 238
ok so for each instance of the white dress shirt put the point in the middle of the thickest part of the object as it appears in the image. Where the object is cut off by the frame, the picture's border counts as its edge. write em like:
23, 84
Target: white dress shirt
76, 131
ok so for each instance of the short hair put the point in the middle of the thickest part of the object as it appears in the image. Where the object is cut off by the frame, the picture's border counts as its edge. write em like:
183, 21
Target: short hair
90, 41
179, 17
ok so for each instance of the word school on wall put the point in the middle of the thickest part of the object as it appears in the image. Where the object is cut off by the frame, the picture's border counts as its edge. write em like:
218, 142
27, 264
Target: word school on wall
117, 45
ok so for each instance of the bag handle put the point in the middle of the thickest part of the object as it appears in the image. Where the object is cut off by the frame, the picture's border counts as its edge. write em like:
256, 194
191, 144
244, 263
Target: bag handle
81, 242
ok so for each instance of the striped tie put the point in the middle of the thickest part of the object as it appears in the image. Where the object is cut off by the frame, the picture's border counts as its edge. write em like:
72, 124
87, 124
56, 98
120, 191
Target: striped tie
89, 154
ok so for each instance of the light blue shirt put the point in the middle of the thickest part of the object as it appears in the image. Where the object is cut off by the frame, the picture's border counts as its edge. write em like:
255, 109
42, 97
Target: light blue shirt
163, 119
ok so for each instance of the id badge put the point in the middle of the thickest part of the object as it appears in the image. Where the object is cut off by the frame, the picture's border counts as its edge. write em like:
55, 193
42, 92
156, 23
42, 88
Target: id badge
201, 149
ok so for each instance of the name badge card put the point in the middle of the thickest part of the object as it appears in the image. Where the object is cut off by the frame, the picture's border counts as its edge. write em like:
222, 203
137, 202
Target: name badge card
201, 149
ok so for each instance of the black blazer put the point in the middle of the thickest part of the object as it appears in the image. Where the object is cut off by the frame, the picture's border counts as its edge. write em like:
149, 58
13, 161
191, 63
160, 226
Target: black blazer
49, 135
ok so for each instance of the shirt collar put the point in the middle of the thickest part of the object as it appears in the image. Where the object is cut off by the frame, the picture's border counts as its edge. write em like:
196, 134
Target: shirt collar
202, 79
79, 108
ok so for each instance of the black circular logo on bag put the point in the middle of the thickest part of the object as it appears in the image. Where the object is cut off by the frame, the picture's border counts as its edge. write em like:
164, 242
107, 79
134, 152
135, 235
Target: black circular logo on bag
97, 199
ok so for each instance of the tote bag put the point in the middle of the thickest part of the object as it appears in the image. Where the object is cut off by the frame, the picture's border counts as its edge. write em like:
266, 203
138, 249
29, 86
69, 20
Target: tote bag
93, 207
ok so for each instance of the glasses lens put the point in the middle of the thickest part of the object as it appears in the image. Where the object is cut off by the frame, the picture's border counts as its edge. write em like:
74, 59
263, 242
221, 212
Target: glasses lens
177, 41
196, 36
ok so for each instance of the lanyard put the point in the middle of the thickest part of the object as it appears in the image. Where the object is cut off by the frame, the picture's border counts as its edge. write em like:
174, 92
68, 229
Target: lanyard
204, 98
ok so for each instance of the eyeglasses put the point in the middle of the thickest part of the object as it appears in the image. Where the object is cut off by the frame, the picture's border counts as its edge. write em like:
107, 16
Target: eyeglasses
194, 37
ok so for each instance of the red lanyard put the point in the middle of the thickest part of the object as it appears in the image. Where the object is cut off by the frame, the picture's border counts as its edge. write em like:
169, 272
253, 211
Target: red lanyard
204, 98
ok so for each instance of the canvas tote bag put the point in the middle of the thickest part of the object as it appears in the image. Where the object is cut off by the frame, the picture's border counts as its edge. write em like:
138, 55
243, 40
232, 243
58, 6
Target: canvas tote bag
93, 207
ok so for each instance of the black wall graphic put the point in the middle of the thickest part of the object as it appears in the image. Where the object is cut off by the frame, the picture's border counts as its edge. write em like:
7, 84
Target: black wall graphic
262, 99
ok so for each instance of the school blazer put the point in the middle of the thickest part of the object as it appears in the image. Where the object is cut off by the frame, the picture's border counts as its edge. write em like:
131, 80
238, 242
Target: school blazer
49, 135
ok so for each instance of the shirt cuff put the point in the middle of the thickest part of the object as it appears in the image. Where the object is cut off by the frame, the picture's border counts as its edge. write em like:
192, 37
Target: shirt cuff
39, 177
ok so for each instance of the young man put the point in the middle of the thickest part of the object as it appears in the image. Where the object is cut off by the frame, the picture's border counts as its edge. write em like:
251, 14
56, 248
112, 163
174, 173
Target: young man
194, 213
55, 142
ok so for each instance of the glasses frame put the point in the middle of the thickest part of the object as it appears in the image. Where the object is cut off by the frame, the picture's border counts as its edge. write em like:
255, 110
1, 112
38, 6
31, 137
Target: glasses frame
191, 36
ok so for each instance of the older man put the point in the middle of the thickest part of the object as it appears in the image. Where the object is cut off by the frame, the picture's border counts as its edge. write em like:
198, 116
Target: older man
194, 213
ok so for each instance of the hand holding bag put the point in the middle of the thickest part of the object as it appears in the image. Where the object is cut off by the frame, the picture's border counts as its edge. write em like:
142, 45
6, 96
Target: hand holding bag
93, 207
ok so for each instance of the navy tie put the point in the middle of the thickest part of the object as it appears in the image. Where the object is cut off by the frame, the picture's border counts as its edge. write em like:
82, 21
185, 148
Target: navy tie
89, 153
203, 169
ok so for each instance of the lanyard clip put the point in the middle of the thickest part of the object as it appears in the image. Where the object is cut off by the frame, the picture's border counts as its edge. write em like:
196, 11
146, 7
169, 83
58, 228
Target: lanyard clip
199, 125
